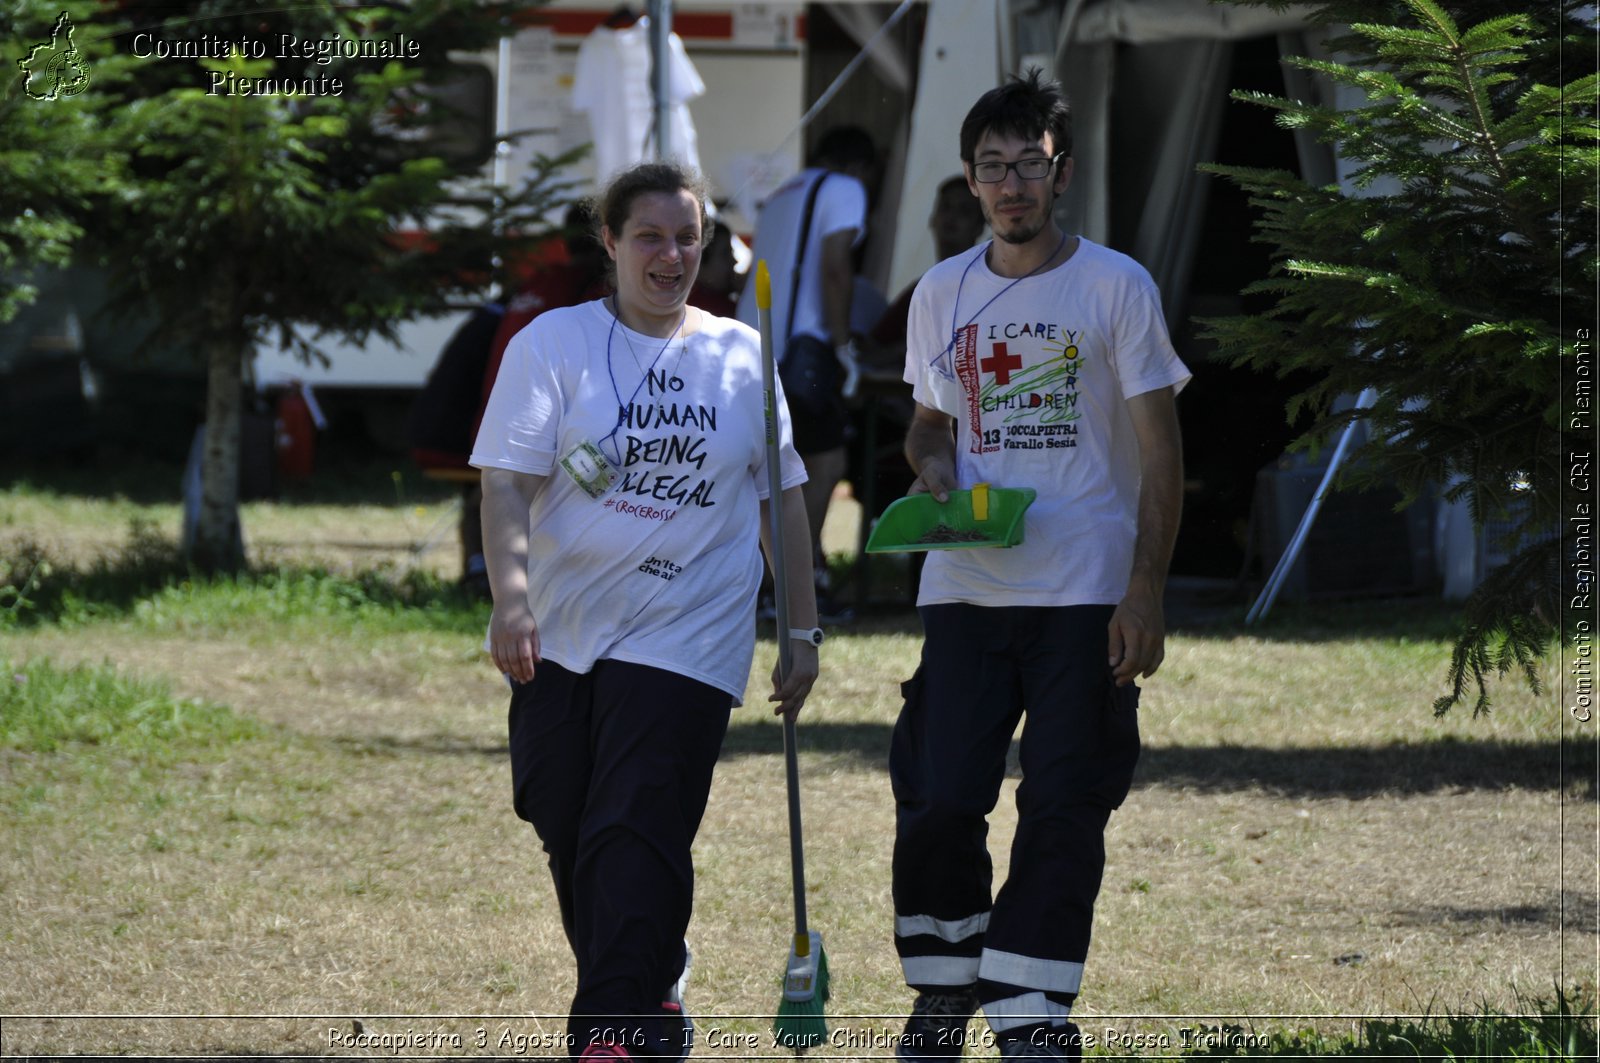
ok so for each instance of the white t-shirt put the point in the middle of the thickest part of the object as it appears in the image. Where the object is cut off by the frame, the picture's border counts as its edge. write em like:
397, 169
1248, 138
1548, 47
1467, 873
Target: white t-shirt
662, 570
841, 204
1037, 379
611, 83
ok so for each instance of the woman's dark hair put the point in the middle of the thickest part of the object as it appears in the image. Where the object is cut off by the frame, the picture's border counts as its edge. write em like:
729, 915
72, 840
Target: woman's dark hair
612, 206
1026, 107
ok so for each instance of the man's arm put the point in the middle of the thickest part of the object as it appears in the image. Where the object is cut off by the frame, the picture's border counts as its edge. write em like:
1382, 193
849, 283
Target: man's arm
931, 452
838, 284
1138, 626
838, 292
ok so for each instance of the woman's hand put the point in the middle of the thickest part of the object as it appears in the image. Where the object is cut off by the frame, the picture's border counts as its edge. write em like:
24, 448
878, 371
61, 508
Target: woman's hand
790, 691
514, 640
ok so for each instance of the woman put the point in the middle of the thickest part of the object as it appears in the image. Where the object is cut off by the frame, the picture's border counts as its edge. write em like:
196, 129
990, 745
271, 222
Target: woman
624, 474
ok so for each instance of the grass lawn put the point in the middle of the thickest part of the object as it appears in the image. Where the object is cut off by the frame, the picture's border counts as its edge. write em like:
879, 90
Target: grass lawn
246, 816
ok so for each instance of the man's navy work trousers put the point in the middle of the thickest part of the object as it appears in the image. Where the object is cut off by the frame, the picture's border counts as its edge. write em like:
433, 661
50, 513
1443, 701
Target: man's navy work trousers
983, 670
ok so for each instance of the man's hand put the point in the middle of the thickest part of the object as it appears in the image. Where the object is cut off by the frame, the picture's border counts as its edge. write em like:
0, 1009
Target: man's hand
931, 451
937, 478
1137, 637
790, 691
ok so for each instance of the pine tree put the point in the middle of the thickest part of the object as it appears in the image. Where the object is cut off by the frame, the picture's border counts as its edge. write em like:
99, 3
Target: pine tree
1454, 281
230, 210
52, 145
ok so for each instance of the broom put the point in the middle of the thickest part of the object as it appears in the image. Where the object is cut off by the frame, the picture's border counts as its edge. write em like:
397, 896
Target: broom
799, 1023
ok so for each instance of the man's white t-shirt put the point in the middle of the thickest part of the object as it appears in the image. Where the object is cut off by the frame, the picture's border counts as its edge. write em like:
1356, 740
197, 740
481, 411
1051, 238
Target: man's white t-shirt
663, 569
1037, 373
841, 204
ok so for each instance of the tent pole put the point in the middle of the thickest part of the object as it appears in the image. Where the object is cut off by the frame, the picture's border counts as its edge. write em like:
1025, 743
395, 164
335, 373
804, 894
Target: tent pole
1269, 593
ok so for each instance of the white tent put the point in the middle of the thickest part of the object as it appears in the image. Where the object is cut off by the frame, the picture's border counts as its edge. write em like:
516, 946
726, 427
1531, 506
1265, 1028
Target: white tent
1160, 69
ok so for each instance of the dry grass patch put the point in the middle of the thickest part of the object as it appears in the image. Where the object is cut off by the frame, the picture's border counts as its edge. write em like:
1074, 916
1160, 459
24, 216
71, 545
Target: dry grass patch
1303, 838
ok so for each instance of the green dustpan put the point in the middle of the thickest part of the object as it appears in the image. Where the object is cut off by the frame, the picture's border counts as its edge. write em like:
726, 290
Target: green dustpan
919, 522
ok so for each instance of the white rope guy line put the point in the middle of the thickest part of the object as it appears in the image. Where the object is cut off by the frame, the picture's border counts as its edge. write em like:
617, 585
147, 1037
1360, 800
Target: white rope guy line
830, 92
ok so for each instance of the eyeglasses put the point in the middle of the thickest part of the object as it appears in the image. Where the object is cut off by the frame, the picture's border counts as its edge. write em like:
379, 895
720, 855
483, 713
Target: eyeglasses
1029, 169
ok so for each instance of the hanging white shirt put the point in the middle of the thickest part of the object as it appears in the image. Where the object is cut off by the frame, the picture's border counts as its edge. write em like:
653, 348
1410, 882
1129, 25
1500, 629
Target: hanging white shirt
612, 86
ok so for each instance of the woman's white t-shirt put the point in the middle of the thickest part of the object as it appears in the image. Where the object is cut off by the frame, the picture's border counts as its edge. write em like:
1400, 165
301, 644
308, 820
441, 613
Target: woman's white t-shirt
663, 569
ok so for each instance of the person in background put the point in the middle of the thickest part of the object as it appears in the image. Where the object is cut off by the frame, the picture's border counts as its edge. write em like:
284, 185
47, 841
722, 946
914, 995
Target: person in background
956, 223
807, 232
625, 497
1038, 360
574, 272
567, 268
716, 290
441, 423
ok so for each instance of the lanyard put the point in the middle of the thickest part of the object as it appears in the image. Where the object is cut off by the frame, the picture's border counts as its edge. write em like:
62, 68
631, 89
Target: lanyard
615, 453
942, 363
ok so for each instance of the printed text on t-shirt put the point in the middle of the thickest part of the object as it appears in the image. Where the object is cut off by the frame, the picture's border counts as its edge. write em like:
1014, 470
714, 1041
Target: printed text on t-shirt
653, 464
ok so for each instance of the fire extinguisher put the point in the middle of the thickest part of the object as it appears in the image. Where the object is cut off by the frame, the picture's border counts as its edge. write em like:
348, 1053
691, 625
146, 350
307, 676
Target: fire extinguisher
297, 418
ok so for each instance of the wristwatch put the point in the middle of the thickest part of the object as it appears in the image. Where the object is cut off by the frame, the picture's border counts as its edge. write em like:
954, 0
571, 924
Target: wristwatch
813, 636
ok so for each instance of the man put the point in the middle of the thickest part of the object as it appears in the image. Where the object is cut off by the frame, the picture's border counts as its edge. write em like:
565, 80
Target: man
1037, 360
807, 232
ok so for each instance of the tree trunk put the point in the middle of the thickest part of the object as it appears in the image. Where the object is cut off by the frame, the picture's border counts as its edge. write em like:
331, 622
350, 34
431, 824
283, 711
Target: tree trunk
218, 544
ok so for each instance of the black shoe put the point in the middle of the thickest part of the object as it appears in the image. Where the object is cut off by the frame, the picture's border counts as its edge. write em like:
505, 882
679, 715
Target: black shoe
937, 1028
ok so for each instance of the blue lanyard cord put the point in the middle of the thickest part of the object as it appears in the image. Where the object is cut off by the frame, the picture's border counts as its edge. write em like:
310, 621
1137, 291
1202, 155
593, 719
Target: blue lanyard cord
622, 408
947, 370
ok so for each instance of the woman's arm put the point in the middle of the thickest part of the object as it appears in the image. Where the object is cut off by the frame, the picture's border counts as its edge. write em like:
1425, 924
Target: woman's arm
790, 691
513, 635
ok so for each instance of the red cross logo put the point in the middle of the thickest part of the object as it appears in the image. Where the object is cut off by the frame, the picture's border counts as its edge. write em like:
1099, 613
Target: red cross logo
1000, 364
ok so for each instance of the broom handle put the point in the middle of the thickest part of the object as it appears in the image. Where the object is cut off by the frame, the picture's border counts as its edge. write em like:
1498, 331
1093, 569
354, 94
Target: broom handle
780, 596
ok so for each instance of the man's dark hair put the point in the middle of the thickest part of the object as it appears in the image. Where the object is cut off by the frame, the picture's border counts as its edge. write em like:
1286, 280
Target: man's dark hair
843, 145
1027, 107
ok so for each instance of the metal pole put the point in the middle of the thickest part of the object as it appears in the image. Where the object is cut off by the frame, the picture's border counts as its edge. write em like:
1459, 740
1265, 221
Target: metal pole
660, 70
1269, 593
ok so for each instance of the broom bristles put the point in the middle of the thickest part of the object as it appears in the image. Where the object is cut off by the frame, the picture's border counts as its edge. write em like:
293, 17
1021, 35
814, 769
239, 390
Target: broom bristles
800, 1023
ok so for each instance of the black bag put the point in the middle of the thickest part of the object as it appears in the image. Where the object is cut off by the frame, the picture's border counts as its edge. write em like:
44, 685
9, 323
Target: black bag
811, 378
809, 369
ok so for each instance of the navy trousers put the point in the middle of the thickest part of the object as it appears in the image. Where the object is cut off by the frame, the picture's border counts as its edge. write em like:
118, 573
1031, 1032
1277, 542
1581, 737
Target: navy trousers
613, 769
982, 671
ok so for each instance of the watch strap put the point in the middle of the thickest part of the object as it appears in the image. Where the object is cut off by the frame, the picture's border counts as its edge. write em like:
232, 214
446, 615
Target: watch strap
811, 635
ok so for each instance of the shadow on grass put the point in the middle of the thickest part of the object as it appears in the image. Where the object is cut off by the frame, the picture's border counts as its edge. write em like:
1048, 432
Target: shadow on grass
1439, 767
390, 747
1569, 910
1415, 619
150, 565
343, 476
